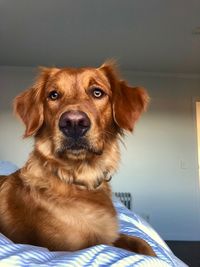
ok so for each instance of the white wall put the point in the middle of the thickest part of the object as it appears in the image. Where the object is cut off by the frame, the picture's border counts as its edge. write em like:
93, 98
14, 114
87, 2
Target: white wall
163, 140
159, 165
12, 81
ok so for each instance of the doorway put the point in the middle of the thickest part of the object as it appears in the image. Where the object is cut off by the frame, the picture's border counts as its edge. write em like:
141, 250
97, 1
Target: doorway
198, 133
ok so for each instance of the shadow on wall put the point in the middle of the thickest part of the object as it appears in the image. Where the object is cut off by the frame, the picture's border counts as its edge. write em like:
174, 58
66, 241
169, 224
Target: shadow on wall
13, 147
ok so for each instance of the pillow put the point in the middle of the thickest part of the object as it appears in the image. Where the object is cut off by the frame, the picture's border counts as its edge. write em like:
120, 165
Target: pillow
7, 167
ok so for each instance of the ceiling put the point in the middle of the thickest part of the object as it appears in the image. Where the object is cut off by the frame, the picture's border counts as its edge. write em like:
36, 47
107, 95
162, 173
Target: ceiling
143, 35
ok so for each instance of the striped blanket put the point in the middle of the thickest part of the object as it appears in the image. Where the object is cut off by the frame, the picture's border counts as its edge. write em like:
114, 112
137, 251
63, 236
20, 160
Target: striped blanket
102, 255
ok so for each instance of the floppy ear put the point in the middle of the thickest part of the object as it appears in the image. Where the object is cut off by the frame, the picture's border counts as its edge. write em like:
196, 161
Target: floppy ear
29, 108
128, 102
29, 105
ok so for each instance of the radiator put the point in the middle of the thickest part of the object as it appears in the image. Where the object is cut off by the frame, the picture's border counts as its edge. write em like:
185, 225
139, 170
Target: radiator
125, 198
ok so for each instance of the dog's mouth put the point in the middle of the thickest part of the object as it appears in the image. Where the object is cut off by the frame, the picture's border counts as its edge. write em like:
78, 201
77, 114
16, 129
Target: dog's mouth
77, 147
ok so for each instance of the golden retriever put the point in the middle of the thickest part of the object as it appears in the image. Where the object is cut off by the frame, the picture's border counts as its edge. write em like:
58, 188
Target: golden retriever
61, 198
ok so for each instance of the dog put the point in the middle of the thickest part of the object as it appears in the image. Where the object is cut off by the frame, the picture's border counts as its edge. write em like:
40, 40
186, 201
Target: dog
61, 198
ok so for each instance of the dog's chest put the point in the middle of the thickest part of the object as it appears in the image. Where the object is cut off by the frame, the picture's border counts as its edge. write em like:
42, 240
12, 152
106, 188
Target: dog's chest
78, 223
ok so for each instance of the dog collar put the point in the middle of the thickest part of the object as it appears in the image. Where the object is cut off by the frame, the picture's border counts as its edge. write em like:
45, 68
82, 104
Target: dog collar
107, 179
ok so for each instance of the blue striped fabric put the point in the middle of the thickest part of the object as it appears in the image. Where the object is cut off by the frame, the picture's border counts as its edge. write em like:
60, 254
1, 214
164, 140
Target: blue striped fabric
26, 255
7, 167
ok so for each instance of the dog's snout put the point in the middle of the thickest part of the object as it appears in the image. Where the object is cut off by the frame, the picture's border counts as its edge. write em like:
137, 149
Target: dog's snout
74, 123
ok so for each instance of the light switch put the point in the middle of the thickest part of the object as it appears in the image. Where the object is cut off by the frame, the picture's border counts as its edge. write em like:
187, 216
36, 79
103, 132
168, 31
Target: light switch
183, 165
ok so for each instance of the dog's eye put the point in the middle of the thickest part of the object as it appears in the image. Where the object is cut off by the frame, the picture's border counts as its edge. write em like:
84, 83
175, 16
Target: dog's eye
97, 93
53, 95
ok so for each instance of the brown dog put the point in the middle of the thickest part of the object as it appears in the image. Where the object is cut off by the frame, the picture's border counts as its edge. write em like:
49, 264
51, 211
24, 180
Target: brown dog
61, 198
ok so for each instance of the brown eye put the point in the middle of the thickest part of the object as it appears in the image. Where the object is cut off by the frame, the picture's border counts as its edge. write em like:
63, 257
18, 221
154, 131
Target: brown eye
53, 95
97, 93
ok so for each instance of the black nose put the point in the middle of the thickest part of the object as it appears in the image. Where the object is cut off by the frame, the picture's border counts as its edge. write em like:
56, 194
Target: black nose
74, 123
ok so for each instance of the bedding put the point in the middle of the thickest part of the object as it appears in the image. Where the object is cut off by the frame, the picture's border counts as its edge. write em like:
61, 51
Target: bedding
26, 255
7, 167
101, 255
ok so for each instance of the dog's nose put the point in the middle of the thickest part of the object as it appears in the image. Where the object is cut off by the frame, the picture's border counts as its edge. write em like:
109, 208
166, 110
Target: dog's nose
74, 123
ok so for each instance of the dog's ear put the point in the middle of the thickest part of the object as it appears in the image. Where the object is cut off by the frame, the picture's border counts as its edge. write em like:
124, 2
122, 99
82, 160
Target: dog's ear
29, 104
29, 108
128, 102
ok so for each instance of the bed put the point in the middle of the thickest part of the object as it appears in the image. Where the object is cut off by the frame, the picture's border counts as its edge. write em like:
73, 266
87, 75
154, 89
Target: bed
101, 255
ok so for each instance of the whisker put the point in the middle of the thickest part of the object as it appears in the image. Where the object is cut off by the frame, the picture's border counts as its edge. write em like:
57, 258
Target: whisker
122, 142
119, 138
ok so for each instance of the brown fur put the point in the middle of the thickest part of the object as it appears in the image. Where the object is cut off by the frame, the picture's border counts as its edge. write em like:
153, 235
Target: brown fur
61, 198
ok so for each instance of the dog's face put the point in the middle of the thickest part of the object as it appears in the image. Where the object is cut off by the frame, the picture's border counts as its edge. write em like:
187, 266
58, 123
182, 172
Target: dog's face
78, 111
75, 113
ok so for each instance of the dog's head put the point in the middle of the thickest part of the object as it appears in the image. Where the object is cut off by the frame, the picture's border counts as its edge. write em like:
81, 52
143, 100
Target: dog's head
76, 112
